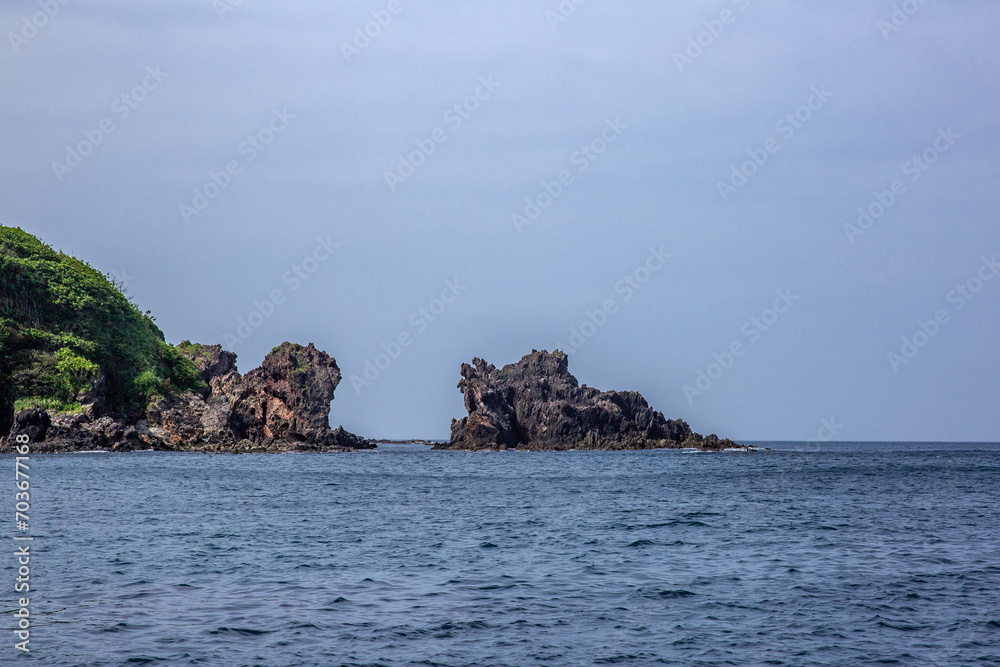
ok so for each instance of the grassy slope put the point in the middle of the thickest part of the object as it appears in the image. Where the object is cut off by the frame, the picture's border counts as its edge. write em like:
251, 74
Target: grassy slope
62, 323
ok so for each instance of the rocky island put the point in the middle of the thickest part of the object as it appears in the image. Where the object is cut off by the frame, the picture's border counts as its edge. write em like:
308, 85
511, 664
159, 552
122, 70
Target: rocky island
83, 368
537, 404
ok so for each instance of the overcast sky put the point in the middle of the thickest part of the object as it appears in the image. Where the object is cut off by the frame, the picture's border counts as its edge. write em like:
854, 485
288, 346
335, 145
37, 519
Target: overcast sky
664, 171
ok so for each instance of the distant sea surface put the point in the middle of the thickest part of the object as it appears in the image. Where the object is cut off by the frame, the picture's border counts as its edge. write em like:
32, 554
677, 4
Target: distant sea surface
831, 554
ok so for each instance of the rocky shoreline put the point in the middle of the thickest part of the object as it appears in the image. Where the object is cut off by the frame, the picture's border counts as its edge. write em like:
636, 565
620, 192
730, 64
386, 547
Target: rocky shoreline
282, 406
535, 404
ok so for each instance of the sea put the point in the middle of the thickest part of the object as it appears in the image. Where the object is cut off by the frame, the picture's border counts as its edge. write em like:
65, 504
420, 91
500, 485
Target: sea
802, 554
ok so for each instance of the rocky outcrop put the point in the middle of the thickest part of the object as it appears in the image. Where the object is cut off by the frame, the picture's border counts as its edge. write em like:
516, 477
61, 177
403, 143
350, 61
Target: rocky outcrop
206, 419
33, 422
283, 405
288, 397
536, 404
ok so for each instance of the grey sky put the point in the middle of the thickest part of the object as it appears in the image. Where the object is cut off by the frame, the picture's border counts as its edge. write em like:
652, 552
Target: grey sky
879, 98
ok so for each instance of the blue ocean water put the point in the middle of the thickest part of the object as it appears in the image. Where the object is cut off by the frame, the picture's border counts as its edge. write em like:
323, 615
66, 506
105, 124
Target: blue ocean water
833, 554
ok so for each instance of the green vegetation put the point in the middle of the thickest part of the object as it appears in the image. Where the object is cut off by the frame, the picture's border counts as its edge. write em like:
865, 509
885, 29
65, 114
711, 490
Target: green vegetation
67, 330
284, 346
49, 404
301, 369
195, 351
74, 374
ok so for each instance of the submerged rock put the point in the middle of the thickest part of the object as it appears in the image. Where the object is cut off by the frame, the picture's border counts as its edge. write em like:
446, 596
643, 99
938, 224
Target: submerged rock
283, 405
536, 404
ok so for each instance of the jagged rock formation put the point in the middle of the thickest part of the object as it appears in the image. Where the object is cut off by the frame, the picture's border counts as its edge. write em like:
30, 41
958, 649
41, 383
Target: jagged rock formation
289, 396
536, 404
283, 405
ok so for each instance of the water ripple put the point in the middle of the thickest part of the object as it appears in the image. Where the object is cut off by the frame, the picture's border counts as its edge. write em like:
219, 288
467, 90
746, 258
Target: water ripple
874, 555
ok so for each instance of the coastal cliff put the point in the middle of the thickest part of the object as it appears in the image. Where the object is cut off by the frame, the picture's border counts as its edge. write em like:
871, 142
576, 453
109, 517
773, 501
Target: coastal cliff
283, 405
537, 404
82, 367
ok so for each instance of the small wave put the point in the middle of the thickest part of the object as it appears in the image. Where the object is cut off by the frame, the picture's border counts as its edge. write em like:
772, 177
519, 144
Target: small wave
495, 587
222, 630
615, 659
465, 625
120, 627
642, 543
902, 625
305, 626
668, 594
662, 524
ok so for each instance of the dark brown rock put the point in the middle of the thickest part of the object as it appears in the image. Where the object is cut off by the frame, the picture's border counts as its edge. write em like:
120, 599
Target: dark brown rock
33, 422
211, 360
288, 397
283, 405
536, 404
